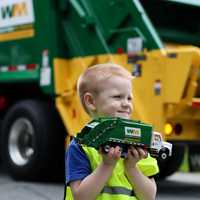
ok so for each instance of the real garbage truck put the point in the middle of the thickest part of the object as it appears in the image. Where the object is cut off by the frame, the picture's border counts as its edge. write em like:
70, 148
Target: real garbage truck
45, 46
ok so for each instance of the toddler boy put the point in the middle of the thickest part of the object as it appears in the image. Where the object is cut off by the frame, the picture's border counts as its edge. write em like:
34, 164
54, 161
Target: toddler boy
106, 90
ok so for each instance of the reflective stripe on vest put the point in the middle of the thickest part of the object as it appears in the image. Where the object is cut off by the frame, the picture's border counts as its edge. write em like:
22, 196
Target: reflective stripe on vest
118, 190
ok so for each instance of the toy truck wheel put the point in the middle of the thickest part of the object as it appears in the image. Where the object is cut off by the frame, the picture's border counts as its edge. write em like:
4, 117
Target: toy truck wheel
169, 166
28, 141
106, 148
164, 154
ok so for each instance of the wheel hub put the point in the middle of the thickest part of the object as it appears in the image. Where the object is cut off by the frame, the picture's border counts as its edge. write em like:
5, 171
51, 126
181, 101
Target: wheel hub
20, 141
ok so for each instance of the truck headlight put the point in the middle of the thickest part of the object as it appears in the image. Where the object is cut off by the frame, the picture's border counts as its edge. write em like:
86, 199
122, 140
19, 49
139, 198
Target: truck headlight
168, 129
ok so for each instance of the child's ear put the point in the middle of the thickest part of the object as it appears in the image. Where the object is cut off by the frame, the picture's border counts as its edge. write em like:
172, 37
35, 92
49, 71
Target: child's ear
89, 101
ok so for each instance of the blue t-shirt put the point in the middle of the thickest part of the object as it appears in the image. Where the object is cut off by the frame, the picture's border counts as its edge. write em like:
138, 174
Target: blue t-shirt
77, 165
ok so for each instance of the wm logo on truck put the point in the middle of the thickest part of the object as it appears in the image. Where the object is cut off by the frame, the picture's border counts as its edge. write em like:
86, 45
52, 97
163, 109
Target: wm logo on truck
133, 132
15, 13
14, 10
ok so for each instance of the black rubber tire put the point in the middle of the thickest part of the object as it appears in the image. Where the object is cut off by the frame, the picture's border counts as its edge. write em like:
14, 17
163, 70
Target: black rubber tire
164, 152
172, 164
194, 157
47, 161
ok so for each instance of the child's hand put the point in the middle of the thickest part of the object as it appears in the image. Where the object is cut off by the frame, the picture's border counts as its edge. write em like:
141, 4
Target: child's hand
112, 156
134, 155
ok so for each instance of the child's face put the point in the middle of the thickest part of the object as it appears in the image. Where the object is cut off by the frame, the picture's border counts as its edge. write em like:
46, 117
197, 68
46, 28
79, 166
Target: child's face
114, 98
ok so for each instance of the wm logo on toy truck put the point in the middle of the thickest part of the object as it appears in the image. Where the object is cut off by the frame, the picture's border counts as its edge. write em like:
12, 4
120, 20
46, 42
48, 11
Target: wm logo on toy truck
132, 132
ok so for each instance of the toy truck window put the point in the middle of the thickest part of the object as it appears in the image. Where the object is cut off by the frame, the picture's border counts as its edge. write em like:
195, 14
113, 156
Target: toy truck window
157, 138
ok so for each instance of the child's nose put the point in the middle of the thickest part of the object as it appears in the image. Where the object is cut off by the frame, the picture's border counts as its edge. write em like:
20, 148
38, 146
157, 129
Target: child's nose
125, 102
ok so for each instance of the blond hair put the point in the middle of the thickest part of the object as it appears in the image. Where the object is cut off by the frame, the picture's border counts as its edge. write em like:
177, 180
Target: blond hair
94, 75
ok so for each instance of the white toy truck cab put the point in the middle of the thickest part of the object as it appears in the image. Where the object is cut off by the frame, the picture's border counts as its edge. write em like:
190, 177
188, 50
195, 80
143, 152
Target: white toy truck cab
159, 147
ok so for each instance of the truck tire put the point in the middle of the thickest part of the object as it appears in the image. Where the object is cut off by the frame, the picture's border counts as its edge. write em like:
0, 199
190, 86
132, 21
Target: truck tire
32, 144
194, 157
172, 164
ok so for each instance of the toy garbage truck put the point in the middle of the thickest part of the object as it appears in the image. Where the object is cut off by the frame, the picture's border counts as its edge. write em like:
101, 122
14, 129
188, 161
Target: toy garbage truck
111, 132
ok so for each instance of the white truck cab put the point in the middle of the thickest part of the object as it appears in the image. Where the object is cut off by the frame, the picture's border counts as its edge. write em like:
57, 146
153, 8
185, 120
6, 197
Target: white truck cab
160, 148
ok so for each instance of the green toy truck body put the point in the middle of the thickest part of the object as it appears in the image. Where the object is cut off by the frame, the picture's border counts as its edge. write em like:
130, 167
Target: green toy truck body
108, 132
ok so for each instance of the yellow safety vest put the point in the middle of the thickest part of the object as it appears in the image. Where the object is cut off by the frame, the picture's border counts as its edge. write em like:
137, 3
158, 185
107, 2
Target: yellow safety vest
118, 186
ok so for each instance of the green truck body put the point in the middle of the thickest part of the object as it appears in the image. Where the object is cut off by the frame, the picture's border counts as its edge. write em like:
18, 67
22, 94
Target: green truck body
116, 130
33, 33
112, 132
